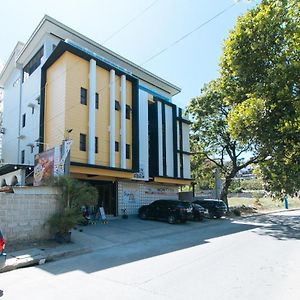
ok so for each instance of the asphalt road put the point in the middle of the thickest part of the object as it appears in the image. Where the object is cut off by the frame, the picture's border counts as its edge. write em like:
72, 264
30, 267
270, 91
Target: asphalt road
253, 258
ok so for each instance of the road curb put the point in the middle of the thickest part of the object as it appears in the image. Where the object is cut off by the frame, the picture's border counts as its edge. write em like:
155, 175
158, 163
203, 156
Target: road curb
40, 258
264, 213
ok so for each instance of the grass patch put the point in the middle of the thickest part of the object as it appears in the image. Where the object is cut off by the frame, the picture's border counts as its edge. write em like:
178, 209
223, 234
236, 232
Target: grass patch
264, 203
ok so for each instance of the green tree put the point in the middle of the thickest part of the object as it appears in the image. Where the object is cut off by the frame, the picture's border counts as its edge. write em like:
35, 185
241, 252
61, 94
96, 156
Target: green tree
74, 194
260, 77
211, 138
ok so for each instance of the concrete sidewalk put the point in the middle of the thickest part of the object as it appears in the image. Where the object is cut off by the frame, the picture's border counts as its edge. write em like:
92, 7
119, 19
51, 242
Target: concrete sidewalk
82, 241
100, 236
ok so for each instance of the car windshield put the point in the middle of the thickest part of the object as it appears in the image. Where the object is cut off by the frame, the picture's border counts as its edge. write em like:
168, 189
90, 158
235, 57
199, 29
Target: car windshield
185, 204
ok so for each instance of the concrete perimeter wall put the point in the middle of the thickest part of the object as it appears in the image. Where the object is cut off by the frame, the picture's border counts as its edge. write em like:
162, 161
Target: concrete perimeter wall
23, 216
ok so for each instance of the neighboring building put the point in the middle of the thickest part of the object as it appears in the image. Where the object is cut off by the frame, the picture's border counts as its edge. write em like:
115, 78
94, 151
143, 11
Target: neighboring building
1, 120
129, 139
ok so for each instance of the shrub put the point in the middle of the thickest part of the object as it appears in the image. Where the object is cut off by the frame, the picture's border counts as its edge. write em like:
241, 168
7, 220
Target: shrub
237, 212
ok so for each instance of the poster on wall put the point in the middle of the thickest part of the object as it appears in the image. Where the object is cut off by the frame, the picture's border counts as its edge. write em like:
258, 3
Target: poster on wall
43, 166
161, 191
51, 163
130, 195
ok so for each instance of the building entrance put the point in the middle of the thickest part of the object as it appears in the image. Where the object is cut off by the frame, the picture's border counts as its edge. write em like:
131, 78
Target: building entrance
107, 196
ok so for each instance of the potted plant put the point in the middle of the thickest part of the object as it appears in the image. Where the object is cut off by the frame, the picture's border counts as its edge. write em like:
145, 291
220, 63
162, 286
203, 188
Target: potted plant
74, 195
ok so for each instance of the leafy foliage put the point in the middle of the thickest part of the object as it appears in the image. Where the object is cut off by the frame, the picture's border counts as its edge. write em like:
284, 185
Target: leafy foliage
74, 194
211, 138
62, 222
260, 76
255, 104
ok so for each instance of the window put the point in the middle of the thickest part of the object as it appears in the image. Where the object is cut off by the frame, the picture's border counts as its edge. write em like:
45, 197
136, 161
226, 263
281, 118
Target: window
127, 151
97, 101
32, 110
117, 105
82, 145
96, 144
33, 64
31, 149
23, 120
117, 146
83, 96
22, 156
128, 109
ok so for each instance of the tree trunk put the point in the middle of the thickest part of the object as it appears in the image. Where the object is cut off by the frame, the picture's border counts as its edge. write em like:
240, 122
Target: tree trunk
224, 191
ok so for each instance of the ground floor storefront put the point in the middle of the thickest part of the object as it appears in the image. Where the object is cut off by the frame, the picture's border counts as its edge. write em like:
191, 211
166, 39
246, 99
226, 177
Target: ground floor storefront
117, 196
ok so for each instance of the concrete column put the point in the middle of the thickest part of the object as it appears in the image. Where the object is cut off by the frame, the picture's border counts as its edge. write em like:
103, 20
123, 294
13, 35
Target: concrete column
123, 122
92, 112
112, 137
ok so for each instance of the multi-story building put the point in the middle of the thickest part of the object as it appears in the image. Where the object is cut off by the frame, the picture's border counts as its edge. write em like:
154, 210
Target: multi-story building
129, 139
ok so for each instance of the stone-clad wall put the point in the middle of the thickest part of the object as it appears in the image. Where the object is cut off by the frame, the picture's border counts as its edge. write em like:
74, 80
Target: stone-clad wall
23, 216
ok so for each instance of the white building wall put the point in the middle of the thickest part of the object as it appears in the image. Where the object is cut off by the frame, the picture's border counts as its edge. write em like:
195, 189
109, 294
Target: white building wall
143, 133
160, 140
186, 147
169, 141
30, 133
132, 195
11, 118
30, 96
186, 137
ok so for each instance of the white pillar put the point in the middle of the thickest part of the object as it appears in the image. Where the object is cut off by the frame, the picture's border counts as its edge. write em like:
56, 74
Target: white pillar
112, 99
123, 122
92, 112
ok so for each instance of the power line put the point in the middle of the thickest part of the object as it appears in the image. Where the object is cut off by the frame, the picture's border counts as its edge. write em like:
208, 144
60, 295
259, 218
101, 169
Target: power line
149, 59
129, 22
190, 32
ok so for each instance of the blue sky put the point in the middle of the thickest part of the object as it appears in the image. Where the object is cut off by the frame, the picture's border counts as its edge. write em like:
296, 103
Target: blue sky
189, 64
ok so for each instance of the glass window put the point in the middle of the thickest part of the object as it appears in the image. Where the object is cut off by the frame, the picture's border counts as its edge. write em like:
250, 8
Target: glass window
23, 120
96, 144
33, 64
128, 109
83, 96
117, 146
127, 151
82, 145
117, 105
22, 156
97, 101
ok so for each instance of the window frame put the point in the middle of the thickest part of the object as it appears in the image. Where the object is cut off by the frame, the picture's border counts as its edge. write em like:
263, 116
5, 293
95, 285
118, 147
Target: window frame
23, 120
83, 98
117, 105
128, 112
96, 101
23, 157
128, 151
117, 146
82, 142
96, 144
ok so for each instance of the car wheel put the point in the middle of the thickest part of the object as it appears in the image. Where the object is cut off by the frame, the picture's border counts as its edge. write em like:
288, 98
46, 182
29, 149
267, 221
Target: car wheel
143, 215
211, 214
171, 219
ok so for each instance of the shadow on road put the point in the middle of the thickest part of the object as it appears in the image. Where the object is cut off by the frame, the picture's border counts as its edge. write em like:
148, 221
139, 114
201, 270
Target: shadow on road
279, 226
140, 240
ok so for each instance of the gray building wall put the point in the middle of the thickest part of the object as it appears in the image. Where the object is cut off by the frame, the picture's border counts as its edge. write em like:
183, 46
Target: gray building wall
23, 216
